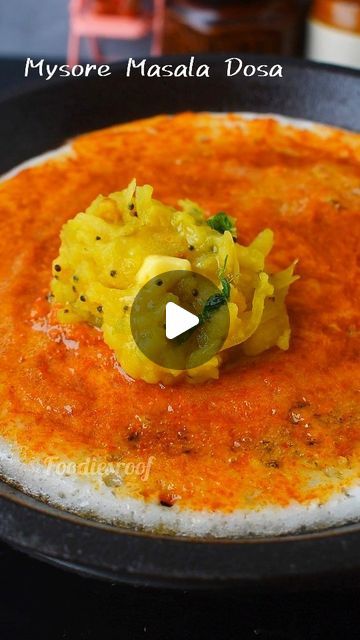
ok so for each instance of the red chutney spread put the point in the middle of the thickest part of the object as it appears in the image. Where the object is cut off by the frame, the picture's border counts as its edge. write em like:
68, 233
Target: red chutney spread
274, 428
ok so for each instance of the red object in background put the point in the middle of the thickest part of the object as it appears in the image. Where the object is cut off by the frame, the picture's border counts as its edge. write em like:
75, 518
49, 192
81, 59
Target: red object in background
115, 19
116, 7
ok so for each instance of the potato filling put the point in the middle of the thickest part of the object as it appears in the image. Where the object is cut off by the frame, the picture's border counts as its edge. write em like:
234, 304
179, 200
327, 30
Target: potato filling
121, 241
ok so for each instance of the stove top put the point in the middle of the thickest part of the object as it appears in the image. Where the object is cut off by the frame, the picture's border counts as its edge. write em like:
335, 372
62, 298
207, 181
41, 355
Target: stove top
39, 601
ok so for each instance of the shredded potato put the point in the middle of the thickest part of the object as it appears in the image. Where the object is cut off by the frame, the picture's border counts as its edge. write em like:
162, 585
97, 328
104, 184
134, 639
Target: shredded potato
122, 241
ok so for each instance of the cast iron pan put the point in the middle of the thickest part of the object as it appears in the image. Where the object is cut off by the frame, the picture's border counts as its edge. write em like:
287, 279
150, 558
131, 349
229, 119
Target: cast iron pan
42, 119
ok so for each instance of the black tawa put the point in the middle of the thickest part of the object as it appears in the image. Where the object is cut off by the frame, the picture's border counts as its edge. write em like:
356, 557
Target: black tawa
43, 118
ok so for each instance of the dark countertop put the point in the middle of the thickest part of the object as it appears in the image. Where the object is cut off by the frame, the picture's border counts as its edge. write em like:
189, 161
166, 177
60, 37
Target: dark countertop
12, 74
40, 601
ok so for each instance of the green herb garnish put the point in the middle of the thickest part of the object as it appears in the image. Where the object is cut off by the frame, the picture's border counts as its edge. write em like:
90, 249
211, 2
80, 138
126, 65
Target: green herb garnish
211, 305
217, 300
221, 222
224, 281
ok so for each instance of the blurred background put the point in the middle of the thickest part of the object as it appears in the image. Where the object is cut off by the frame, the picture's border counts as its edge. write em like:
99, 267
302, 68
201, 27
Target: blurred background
85, 30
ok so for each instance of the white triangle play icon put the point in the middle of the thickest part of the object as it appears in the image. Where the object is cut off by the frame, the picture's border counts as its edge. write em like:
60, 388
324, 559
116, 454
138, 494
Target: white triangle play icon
178, 320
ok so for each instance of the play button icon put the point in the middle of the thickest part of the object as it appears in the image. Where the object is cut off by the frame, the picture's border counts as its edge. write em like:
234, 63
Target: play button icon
178, 320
